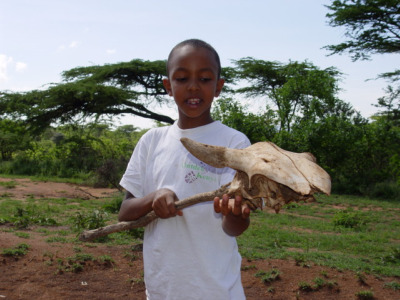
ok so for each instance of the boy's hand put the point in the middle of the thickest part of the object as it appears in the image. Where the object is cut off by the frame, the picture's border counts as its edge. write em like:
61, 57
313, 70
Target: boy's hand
164, 204
234, 207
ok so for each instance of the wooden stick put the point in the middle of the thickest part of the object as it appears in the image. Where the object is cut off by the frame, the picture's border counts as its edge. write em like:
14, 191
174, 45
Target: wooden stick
90, 235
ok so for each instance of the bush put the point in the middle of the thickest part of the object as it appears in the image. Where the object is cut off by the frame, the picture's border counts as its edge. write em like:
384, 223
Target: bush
89, 221
349, 218
385, 190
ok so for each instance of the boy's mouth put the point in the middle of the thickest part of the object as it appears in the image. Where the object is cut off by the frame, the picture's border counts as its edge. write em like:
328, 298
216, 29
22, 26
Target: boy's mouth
193, 101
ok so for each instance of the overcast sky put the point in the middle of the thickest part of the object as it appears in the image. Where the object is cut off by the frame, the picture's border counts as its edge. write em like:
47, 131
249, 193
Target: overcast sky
39, 39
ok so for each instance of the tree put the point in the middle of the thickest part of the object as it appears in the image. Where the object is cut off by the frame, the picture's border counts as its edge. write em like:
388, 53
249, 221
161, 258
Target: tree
13, 137
298, 90
257, 127
372, 26
115, 89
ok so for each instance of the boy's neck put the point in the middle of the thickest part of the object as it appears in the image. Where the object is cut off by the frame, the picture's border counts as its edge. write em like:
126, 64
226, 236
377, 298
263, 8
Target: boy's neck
189, 124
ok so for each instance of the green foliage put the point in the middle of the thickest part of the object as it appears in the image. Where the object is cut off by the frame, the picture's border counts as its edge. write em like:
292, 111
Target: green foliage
268, 276
92, 92
20, 250
308, 235
257, 127
8, 184
301, 113
385, 191
114, 205
23, 235
95, 153
393, 257
298, 90
365, 295
56, 239
349, 218
92, 220
371, 26
13, 138
393, 285
305, 286
31, 215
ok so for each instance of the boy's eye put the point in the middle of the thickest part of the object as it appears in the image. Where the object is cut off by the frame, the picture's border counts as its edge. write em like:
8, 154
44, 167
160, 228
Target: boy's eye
180, 79
205, 79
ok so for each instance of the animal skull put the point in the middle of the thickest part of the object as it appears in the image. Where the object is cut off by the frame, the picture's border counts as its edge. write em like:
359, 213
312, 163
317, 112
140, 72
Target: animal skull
266, 172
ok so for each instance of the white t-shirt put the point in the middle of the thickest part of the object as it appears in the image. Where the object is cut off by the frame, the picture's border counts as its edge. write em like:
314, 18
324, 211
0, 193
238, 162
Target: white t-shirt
189, 256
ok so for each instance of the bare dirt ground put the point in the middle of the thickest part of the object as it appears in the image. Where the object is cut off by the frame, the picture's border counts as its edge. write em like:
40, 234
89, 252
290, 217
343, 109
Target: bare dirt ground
41, 273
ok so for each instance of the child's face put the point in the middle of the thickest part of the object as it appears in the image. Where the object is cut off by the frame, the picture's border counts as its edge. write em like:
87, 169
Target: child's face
193, 82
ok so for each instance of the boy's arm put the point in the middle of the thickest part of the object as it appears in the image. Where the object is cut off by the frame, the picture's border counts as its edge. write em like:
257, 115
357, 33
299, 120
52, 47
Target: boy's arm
236, 216
161, 201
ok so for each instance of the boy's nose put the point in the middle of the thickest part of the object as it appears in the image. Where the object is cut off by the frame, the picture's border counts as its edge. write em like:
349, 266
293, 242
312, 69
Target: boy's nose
193, 85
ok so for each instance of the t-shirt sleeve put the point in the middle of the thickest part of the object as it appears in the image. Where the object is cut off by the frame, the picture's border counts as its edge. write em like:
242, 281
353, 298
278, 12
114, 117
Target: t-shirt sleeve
132, 180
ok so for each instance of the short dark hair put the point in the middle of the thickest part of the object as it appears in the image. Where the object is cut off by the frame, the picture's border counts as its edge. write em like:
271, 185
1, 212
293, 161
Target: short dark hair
196, 43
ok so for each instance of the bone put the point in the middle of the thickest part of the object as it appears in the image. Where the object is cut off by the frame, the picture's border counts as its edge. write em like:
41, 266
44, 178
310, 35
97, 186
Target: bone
90, 235
266, 174
297, 171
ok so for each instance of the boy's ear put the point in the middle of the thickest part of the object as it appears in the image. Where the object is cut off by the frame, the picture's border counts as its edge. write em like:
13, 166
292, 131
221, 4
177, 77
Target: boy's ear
220, 84
167, 86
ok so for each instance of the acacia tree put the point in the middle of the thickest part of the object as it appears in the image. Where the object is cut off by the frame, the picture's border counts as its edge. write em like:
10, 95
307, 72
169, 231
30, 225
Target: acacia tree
13, 137
112, 89
298, 90
372, 26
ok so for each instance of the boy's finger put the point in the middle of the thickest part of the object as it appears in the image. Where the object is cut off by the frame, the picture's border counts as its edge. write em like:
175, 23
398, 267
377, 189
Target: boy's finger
225, 205
170, 206
160, 209
217, 207
237, 207
245, 211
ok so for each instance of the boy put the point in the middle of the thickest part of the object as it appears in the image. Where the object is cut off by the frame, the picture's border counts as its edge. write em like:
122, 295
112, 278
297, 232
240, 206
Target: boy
188, 254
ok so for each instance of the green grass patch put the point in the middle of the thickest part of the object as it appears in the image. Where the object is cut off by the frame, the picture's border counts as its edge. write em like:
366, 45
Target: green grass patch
23, 235
342, 232
19, 250
8, 184
354, 233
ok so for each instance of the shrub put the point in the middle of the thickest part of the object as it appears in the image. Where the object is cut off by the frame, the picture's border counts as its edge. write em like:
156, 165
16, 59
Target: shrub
270, 276
385, 190
349, 218
25, 217
88, 221
114, 205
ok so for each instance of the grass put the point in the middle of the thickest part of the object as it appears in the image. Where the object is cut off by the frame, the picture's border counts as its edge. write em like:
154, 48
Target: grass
343, 232
8, 184
19, 250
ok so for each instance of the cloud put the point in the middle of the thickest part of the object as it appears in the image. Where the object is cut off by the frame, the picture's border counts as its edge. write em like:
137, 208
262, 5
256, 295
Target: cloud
111, 51
20, 66
5, 61
73, 44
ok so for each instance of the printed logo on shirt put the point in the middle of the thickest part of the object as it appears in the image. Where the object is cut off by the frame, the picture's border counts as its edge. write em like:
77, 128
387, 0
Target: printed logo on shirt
198, 170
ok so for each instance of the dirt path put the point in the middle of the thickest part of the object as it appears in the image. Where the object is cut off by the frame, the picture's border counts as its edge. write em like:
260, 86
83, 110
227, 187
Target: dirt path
47, 271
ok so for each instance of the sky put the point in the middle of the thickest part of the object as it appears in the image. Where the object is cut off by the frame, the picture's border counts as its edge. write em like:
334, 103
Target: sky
40, 39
